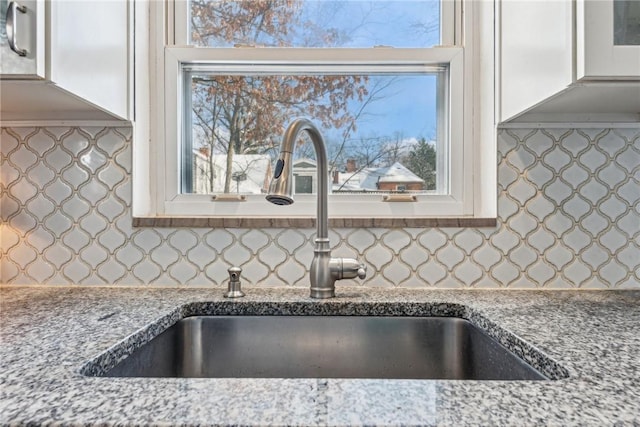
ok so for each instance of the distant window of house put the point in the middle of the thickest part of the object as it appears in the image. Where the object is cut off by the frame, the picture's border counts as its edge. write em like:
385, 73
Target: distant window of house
303, 184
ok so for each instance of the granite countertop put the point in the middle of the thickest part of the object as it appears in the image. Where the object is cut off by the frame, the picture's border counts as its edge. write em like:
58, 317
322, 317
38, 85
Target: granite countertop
47, 335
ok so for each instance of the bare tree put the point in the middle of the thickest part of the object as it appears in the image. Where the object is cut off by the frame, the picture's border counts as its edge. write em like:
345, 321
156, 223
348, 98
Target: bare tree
245, 114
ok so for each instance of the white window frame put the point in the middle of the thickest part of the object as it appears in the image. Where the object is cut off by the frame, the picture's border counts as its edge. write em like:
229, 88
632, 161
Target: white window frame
156, 176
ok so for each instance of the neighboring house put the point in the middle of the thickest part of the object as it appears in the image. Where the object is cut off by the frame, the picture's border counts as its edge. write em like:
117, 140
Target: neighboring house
377, 179
250, 173
389, 178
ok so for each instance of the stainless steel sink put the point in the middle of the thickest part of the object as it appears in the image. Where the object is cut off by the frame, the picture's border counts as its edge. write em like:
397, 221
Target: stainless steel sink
324, 347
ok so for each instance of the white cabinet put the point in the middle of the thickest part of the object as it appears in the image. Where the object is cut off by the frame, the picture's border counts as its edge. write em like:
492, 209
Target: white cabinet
77, 64
608, 39
22, 39
563, 60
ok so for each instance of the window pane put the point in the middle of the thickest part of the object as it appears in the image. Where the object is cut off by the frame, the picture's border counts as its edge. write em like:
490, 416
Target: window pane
381, 131
626, 22
315, 23
304, 184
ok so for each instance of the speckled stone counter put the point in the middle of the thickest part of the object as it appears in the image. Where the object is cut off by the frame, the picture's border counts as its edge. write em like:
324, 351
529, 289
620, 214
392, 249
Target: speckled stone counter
48, 334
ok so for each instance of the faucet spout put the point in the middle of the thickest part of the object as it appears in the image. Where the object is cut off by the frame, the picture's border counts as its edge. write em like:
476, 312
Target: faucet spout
324, 270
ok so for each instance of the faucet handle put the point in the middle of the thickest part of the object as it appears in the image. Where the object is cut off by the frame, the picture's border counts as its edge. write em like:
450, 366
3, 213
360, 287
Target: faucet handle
347, 268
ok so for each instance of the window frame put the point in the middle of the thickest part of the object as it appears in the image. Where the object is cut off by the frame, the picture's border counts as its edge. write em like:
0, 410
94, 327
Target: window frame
162, 142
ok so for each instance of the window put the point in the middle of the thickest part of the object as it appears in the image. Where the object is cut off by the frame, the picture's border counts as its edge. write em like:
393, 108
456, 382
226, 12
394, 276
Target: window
303, 184
389, 83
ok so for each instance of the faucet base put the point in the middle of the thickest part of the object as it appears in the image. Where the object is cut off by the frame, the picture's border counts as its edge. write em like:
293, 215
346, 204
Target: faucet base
322, 293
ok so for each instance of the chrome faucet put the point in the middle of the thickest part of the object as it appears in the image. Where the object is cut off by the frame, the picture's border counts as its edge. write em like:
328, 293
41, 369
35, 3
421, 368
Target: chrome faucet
325, 270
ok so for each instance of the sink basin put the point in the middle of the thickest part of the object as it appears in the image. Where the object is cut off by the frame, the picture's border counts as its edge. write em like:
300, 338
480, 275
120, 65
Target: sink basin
381, 347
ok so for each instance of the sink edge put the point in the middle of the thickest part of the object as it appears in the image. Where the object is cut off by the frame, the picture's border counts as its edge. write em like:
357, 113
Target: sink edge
106, 360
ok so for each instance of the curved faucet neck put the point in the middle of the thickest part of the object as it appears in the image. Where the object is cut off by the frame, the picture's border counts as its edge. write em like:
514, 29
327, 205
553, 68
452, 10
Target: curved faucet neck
288, 145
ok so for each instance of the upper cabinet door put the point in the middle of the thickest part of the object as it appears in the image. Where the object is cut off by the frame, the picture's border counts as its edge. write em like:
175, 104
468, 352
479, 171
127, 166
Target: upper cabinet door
89, 43
608, 39
22, 39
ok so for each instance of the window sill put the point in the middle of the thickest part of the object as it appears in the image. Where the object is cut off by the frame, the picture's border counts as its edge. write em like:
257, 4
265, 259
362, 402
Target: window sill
307, 222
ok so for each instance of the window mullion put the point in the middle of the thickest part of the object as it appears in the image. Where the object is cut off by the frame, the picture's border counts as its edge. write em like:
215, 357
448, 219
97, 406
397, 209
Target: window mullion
443, 140
178, 24
186, 155
448, 22
253, 57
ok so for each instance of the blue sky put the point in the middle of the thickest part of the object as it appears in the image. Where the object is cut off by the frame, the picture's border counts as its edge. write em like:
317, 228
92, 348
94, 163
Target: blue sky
368, 23
409, 105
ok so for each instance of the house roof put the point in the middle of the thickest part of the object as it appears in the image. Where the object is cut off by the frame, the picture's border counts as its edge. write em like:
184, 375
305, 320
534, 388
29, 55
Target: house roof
304, 163
368, 178
399, 173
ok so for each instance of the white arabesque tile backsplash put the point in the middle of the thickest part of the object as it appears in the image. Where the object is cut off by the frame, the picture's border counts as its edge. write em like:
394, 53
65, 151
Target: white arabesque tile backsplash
568, 216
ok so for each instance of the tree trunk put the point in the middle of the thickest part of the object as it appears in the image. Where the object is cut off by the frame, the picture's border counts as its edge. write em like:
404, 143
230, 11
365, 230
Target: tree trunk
229, 173
212, 170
